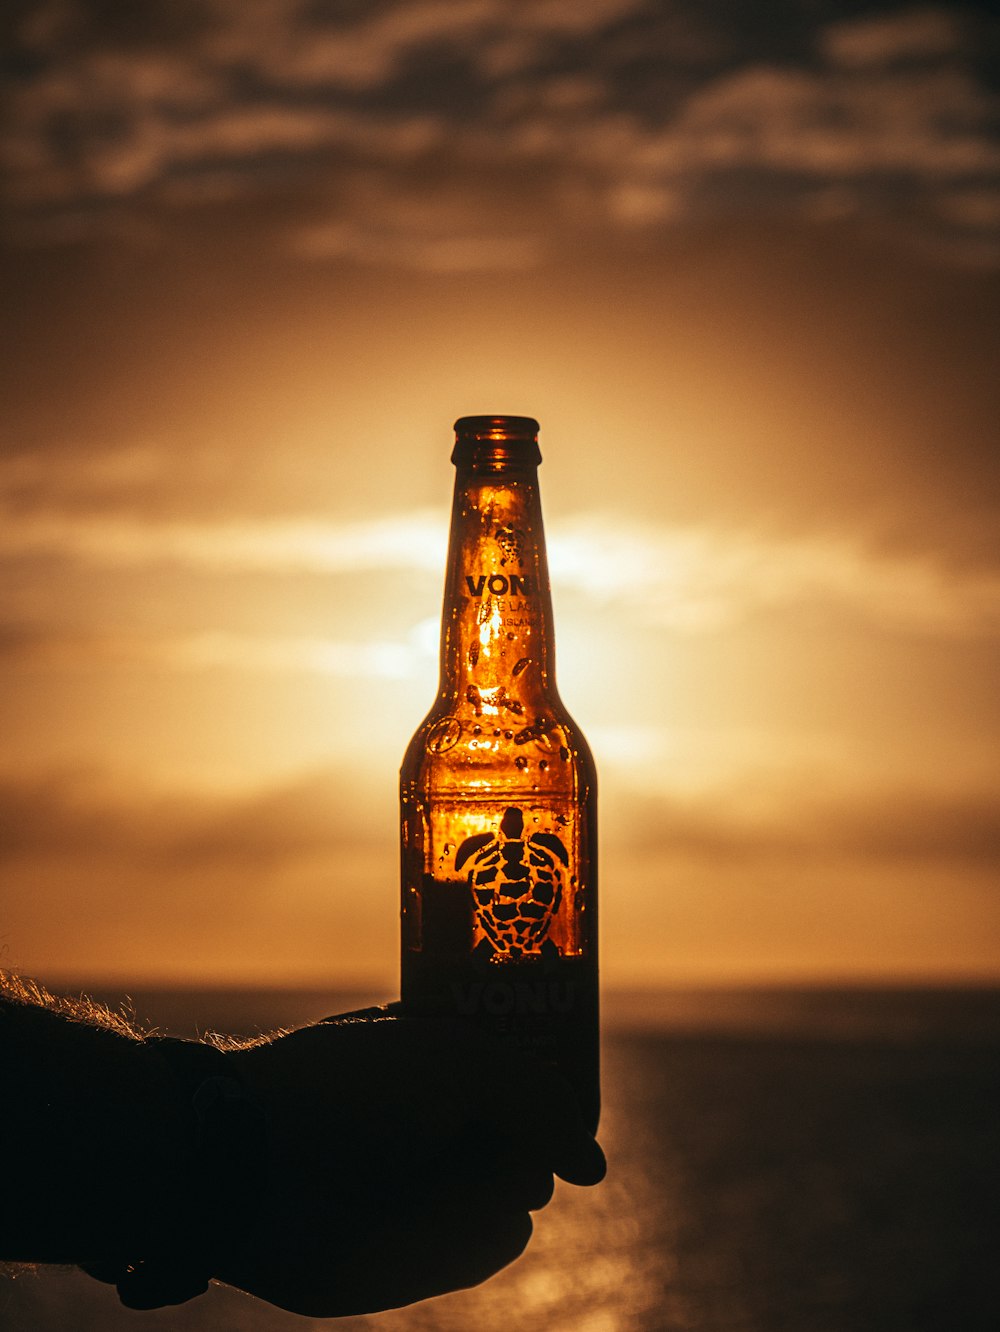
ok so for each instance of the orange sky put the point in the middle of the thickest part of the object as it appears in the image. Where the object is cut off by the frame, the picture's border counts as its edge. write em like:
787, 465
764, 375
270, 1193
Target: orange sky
746, 280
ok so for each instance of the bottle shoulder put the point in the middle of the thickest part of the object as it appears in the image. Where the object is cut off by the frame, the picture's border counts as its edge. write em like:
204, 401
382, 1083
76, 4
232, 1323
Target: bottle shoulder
457, 749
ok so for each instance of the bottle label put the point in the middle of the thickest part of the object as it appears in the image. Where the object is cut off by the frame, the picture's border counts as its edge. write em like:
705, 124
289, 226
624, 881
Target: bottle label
500, 879
500, 585
521, 997
497, 927
516, 879
546, 1007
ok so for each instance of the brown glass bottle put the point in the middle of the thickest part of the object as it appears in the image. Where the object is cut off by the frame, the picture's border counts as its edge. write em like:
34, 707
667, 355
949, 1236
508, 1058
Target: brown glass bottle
498, 788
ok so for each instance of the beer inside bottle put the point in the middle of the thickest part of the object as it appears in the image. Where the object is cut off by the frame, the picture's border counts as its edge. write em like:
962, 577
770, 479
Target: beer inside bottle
498, 787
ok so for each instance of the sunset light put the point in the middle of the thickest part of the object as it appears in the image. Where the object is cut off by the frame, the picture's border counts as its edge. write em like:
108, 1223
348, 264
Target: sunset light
752, 300
625, 960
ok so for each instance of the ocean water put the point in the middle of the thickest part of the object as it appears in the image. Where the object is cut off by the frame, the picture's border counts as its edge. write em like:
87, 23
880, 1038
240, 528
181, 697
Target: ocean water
779, 1161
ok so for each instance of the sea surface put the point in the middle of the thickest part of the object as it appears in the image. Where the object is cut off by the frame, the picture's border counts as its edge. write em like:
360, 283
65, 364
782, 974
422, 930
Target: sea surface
781, 1160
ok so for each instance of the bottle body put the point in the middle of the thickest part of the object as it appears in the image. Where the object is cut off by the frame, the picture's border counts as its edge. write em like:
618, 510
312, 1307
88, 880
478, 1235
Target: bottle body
498, 788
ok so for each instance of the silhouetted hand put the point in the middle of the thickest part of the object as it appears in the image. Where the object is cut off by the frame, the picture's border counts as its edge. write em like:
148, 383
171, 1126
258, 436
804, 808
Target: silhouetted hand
405, 1159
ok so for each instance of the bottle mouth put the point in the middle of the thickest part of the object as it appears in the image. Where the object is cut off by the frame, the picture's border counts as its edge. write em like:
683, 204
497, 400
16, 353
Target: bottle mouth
496, 443
496, 428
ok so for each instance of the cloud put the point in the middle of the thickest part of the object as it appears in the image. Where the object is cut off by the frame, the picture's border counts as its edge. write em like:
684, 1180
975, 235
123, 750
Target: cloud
154, 149
215, 650
907, 36
405, 540
606, 116
327, 813
104, 874
973, 208
88, 812
368, 53
922, 124
688, 580
393, 246
790, 822
699, 579
425, 221
218, 650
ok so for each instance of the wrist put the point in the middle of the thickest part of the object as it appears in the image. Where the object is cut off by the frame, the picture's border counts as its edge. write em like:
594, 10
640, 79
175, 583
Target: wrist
93, 1123
206, 1210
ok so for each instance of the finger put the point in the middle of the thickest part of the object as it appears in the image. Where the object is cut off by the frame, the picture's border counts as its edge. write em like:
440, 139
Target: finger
468, 1076
456, 1235
494, 1246
533, 1101
581, 1161
528, 1187
376, 1013
510, 1176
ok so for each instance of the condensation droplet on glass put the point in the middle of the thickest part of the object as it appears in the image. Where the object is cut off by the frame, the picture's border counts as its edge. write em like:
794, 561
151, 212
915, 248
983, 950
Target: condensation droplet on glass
508, 735
543, 764
564, 753
521, 762
444, 735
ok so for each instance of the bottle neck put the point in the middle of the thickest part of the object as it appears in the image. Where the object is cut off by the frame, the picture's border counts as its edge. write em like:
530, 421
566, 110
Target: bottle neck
497, 642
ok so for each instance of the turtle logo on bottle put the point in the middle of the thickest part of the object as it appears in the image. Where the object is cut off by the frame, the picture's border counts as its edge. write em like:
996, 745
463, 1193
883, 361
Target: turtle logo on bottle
516, 882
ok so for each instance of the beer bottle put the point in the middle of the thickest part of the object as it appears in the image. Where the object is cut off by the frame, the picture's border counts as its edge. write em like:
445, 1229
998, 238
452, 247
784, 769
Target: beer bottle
498, 788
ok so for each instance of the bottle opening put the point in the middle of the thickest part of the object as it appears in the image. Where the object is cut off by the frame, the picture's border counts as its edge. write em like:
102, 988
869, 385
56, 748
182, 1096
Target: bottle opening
496, 427
496, 442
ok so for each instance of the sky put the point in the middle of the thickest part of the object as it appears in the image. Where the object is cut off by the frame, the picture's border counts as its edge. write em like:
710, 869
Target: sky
741, 262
